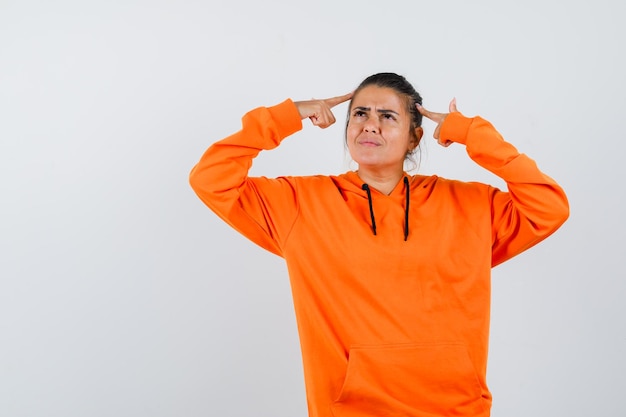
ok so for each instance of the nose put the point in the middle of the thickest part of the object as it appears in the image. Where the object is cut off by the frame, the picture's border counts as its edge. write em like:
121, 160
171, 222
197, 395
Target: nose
371, 125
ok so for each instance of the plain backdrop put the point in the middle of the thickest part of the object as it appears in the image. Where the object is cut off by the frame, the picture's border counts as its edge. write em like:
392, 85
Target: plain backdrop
121, 294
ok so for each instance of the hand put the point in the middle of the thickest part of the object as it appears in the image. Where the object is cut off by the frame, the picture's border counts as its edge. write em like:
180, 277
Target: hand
319, 111
438, 118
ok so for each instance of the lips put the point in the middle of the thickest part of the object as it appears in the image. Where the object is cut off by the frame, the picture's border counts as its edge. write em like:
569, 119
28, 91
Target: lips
368, 142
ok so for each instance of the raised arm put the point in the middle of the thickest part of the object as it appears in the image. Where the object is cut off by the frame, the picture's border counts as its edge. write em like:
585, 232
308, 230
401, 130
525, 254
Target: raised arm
262, 209
534, 207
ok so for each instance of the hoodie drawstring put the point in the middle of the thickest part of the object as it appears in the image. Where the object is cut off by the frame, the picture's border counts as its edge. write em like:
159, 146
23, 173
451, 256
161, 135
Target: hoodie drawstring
406, 207
369, 199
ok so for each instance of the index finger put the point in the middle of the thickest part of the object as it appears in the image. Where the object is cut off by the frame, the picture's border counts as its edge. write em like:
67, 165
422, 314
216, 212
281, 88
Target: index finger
423, 111
429, 114
333, 101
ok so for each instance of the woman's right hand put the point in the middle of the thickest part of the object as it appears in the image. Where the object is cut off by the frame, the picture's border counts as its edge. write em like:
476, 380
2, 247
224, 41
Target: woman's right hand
320, 111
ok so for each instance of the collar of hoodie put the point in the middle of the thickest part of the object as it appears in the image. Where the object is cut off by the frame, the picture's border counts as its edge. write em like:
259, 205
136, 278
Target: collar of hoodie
407, 200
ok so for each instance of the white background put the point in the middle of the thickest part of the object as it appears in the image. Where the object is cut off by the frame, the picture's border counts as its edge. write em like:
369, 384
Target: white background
122, 295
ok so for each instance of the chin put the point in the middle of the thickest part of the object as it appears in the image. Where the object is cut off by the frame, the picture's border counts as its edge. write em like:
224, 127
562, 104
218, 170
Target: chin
366, 159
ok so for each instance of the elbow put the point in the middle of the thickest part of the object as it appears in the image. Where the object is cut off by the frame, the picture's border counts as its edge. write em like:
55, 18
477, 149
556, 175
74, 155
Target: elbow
203, 182
559, 213
200, 184
194, 179
201, 179
565, 211
562, 212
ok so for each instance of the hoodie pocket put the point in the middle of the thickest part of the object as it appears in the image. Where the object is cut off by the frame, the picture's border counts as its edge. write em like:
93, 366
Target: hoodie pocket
410, 381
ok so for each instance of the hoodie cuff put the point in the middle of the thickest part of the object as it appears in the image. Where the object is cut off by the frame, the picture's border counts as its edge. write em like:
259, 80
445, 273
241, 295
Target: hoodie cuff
286, 118
455, 128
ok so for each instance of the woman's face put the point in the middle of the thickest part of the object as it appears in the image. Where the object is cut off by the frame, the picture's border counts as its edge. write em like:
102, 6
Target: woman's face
379, 129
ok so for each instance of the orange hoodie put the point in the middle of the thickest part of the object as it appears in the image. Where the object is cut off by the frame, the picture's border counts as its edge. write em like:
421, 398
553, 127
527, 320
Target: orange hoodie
389, 326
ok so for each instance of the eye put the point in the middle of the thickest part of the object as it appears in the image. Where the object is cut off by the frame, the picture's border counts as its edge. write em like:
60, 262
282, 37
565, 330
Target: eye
359, 113
388, 116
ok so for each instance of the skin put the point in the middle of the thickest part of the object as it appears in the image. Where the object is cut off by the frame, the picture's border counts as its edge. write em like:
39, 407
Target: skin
378, 133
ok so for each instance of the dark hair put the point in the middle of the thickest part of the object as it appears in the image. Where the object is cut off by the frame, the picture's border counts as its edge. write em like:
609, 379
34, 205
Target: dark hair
402, 87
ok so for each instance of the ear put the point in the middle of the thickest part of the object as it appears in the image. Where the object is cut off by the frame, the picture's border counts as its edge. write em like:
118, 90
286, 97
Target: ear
416, 138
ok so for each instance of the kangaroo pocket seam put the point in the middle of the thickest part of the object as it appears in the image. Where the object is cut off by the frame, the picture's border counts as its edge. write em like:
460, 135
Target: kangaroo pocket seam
398, 378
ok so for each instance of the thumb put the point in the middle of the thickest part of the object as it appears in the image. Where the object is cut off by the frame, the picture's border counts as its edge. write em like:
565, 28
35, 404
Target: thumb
452, 106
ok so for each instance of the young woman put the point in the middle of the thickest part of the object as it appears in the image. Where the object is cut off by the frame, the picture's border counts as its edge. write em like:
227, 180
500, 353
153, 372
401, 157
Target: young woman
390, 272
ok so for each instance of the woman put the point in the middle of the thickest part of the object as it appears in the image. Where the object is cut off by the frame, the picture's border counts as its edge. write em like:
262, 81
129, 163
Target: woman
390, 272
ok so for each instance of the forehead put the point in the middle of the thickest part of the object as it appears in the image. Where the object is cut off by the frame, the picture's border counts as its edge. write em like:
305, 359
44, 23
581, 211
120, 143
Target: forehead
379, 98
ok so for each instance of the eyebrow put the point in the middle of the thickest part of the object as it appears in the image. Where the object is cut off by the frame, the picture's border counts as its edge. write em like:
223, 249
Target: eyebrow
382, 111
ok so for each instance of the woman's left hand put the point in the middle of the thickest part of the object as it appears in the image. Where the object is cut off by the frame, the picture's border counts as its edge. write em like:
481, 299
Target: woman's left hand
438, 118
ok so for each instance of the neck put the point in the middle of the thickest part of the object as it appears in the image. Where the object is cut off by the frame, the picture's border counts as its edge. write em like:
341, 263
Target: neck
382, 181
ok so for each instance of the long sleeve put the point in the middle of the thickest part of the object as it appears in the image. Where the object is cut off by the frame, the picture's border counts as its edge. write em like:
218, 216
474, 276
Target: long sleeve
262, 209
535, 205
